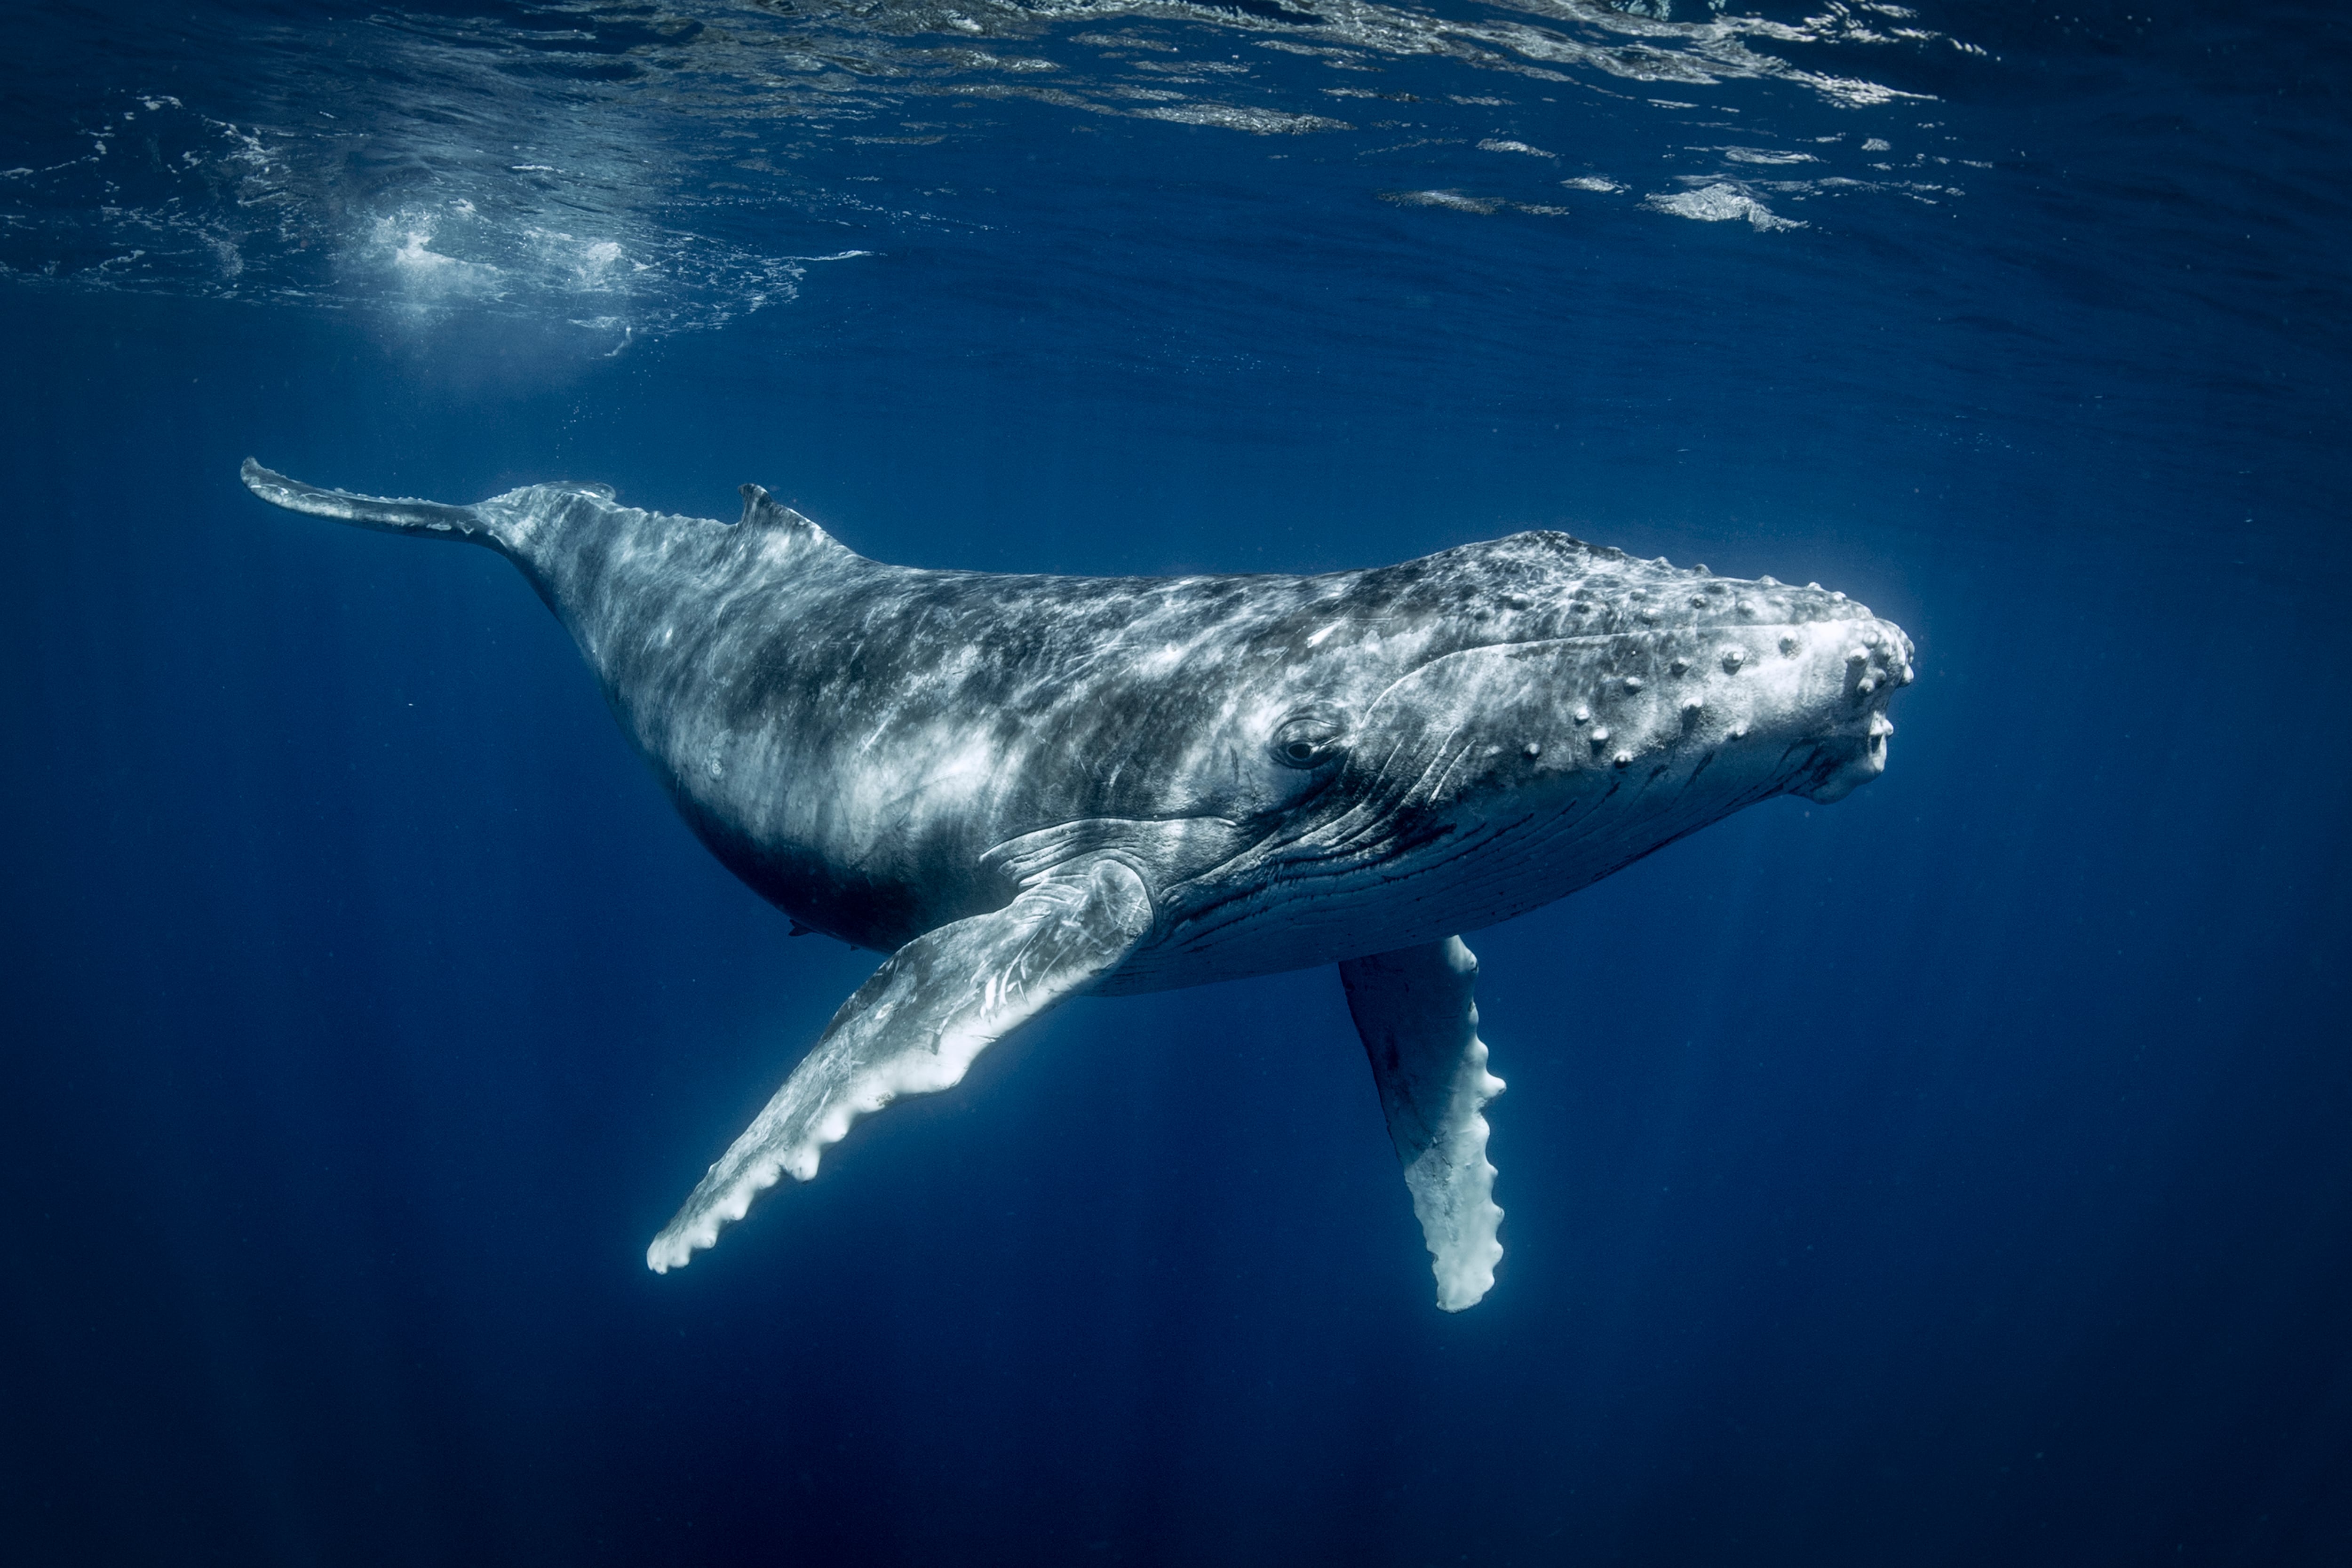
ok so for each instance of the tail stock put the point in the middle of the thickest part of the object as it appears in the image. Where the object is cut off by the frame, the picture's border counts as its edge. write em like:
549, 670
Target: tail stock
387, 513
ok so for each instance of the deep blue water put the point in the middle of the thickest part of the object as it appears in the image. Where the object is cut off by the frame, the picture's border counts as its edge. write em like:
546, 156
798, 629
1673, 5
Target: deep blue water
1959, 1175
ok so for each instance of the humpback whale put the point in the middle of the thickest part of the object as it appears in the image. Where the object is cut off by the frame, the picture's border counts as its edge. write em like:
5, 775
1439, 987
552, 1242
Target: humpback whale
1024, 787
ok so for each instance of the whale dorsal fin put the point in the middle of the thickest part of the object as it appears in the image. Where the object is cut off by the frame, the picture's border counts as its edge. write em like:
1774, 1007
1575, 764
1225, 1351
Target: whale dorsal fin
766, 513
761, 510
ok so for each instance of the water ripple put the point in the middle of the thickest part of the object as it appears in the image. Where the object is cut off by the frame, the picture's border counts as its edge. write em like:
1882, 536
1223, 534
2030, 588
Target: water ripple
642, 169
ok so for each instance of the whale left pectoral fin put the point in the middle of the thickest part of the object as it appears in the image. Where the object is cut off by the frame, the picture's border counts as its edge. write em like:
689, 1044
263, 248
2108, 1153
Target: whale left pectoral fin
1416, 1011
915, 1028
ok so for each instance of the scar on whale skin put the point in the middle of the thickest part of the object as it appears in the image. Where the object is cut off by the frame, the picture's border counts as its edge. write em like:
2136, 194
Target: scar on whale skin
1025, 788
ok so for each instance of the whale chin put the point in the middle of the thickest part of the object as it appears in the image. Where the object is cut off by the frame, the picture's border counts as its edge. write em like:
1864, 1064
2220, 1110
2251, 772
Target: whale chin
1847, 767
1841, 784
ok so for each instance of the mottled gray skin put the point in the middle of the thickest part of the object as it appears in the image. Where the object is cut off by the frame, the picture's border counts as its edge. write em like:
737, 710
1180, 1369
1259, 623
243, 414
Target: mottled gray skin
1300, 770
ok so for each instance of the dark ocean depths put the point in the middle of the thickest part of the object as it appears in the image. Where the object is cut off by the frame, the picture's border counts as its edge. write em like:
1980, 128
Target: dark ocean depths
1958, 1175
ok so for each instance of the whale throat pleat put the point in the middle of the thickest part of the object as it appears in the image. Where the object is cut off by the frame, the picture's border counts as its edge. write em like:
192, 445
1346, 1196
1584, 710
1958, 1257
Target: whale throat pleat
915, 1028
1416, 1011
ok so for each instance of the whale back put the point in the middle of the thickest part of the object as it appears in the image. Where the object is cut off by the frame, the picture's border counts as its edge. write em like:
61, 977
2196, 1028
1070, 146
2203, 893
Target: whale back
575, 541
881, 750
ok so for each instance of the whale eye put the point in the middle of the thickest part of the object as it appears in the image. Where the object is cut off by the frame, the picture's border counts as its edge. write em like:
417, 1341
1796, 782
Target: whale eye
1308, 740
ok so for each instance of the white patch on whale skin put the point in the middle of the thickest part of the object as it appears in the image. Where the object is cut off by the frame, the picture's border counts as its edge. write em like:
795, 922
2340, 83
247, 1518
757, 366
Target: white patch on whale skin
1415, 1011
1453, 1186
1160, 660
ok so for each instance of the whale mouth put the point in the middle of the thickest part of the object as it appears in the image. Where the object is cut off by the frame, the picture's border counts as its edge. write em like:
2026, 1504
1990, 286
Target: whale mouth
1843, 763
1855, 751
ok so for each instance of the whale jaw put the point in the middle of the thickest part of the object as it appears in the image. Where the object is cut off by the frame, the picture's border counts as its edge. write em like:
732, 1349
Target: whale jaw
1877, 663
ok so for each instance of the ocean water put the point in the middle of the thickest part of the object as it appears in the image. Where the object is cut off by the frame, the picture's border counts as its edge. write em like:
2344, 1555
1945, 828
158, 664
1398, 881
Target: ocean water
1959, 1175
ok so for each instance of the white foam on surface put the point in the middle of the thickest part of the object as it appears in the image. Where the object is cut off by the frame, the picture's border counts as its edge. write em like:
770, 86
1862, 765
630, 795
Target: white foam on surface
652, 178
1719, 203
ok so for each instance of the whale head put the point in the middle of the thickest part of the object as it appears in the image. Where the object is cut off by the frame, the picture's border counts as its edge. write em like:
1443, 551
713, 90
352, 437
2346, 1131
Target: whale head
1516, 719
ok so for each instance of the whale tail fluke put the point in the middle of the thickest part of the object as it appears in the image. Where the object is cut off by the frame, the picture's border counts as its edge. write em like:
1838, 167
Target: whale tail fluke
388, 513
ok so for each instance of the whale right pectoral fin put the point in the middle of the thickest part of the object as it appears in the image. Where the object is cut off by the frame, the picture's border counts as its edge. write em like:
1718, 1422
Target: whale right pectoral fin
915, 1028
1416, 1011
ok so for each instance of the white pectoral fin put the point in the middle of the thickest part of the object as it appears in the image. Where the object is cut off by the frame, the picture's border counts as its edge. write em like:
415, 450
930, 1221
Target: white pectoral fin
1416, 1011
915, 1028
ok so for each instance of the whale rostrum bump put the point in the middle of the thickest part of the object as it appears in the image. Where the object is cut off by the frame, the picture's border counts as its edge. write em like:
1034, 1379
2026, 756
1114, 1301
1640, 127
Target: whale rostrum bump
1022, 787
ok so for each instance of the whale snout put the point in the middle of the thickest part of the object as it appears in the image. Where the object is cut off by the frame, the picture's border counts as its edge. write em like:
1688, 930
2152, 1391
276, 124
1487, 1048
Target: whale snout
1877, 662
